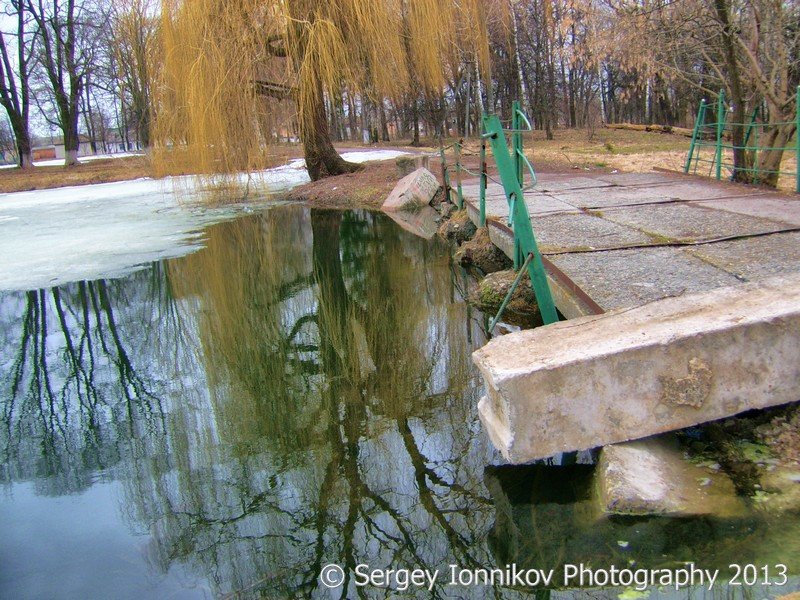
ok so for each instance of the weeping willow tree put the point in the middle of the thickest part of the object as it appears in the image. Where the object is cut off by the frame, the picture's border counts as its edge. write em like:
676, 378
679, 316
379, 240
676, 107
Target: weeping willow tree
229, 65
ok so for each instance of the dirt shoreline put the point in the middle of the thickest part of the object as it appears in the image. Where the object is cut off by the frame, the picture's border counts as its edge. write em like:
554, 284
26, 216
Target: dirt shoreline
367, 188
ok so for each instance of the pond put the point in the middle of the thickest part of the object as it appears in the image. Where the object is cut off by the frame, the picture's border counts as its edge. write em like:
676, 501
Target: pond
298, 393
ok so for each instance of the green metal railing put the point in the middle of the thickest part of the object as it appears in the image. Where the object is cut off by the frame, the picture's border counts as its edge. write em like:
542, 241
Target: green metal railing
711, 143
511, 167
459, 168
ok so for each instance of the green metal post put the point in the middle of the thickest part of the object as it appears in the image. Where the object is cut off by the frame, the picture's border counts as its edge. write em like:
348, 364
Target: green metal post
484, 183
524, 239
701, 113
704, 107
459, 193
516, 140
445, 174
750, 126
797, 142
510, 293
720, 128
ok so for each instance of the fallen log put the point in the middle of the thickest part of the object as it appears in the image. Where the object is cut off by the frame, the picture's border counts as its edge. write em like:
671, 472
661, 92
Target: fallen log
651, 128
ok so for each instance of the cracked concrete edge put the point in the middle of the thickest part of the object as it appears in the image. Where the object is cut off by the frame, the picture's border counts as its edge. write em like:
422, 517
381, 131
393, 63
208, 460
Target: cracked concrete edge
600, 380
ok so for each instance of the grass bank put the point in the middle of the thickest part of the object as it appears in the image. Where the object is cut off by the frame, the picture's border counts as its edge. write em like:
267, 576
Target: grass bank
53, 176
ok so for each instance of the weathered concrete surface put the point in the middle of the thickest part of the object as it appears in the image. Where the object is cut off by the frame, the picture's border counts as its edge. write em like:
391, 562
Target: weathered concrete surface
630, 374
625, 239
686, 222
415, 190
651, 477
750, 259
633, 277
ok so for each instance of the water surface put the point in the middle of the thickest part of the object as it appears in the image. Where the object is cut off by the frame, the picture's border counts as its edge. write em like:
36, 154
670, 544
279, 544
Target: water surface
298, 393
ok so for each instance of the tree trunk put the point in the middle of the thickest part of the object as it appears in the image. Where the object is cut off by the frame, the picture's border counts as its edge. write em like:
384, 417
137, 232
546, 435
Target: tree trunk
322, 160
352, 120
523, 96
384, 124
601, 94
22, 139
415, 117
775, 140
70, 129
742, 160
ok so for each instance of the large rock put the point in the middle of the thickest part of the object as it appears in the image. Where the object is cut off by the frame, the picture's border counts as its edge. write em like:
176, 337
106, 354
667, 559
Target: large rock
480, 252
652, 477
490, 292
458, 228
413, 191
633, 373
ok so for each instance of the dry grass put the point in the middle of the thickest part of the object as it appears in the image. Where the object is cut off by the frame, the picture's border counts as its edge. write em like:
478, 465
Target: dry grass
95, 171
626, 151
607, 149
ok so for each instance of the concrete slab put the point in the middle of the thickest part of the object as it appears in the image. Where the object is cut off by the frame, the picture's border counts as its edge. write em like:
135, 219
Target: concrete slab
755, 258
782, 210
633, 373
624, 278
564, 232
538, 204
637, 178
611, 196
570, 183
651, 477
543, 204
413, 191
497, 205
687, 222
546, 177
696, 189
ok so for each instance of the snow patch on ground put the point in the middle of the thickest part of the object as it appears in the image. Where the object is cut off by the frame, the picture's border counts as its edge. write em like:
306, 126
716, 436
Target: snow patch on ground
52, 237
59, 162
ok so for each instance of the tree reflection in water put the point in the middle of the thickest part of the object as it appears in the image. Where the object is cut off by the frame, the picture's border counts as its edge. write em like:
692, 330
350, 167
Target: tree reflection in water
299, 393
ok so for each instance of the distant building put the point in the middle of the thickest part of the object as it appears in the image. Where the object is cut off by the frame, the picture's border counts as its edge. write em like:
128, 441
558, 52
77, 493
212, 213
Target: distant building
52, 147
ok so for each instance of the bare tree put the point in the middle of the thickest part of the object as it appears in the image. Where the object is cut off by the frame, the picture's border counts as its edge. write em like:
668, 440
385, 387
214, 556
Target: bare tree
134, 29
14, 78
68, 34
748, 48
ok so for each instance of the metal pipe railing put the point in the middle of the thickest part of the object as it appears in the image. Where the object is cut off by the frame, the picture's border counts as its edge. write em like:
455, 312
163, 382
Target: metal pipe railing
713, 136
511, 166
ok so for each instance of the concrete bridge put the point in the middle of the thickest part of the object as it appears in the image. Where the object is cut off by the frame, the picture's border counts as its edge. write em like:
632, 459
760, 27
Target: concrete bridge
698, 283
621, 240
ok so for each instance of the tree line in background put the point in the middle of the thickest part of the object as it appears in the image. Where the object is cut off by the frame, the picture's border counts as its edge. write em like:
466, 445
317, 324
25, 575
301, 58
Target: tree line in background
196, 73
81, 67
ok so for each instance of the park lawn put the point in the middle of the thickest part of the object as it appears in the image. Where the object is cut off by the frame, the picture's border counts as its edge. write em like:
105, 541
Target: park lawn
571, 150
623, 150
